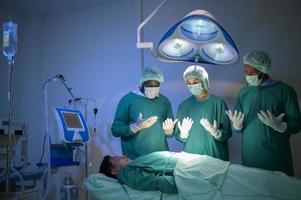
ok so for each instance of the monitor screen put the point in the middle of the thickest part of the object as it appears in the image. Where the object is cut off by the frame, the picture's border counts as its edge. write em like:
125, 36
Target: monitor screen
72, 120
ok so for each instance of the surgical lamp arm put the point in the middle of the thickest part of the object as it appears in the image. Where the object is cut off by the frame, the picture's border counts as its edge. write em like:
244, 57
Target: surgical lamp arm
149, 45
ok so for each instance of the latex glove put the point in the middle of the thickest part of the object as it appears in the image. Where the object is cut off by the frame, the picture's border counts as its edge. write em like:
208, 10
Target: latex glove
272, 121
236, 118
212, 129
143, 123
185, 127
168, 126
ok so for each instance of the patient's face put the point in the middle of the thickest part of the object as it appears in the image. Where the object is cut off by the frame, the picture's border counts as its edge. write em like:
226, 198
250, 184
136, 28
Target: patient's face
119, 161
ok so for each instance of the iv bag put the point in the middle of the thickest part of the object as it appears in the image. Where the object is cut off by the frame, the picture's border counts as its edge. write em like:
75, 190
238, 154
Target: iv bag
9, 39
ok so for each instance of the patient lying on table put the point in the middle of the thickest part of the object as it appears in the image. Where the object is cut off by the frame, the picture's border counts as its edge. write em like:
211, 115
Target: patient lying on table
199, 177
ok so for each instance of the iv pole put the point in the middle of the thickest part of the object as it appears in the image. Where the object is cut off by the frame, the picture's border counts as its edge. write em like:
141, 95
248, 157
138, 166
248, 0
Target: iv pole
9, 50
45, 92
10, 112
44, 88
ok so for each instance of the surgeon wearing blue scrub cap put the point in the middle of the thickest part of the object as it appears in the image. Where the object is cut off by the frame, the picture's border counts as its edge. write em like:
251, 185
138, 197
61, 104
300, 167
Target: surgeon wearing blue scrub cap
144, 117
267, 113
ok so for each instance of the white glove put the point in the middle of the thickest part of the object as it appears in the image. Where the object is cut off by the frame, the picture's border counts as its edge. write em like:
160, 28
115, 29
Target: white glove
272, 121
168, 126
212, 129
185, 127
143, 123
236, 118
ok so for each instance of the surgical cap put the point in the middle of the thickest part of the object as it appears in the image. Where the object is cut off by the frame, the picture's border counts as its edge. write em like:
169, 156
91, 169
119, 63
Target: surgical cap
195, 71
151, 73
259, 60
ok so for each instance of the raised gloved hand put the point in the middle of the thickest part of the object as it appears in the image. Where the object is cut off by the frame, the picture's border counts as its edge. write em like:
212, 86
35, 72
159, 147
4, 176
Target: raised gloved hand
143, 123
211, 128
185, 127
168, 126
272, 121
236, 118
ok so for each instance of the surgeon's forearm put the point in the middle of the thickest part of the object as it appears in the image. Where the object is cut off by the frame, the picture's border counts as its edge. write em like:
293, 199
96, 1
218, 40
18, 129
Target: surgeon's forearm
225, 134
293, 126
121, 130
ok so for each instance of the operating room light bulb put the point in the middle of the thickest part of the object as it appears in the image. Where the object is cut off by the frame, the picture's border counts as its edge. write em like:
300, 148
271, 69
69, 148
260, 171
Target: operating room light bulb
219, 49
176, 48
218, 52
202, 26
177, 45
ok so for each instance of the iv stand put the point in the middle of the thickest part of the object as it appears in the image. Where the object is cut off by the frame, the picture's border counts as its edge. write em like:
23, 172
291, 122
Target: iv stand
62, 79
10, 100
44, 88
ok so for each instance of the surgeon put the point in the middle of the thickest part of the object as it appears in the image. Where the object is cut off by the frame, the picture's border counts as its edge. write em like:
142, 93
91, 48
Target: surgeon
203, 125
267, 113
142, 117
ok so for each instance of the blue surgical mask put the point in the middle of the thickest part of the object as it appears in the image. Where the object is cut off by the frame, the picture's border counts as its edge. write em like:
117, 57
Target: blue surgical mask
151, 92
196, 89
253, 80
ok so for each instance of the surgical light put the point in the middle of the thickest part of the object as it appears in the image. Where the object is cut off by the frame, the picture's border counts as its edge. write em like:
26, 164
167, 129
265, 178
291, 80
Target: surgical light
196, 38
177, 48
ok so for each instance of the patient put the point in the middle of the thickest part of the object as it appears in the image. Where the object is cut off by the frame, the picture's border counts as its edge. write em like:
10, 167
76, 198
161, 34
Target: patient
199, 176
153, 171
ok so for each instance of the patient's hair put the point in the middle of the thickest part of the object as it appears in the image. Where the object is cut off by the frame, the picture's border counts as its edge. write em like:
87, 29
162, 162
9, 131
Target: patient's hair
106, 167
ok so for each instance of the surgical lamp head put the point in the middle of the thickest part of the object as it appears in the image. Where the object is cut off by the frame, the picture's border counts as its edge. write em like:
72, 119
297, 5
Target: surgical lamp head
198, 38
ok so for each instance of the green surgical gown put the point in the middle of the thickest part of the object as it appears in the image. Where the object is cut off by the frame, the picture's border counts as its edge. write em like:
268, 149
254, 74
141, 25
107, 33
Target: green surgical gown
146, 140
200, 141
262, 146
151, 172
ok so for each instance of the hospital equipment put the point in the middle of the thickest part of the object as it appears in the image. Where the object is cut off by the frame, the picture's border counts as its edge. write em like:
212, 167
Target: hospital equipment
73, 133
72, 125
10, 39
23, 182
69, 190
9, 50
197, 38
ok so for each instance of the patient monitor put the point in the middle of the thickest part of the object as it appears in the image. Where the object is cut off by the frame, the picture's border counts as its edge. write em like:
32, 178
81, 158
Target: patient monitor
72, 126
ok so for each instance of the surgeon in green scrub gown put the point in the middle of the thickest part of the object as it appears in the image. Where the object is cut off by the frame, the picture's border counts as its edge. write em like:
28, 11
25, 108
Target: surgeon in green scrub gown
140, 116
203, 125
267, 113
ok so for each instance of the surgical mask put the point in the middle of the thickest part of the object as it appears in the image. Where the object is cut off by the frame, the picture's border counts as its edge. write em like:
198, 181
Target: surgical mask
196, 89
253, 80
151, 92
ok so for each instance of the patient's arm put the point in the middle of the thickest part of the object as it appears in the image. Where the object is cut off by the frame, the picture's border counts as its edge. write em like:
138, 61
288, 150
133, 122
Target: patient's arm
138, 179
